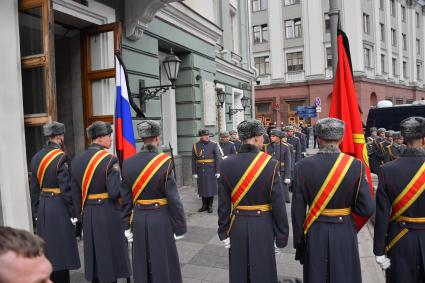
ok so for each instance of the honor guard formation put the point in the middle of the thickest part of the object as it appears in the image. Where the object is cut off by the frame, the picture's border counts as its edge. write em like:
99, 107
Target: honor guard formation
256, 172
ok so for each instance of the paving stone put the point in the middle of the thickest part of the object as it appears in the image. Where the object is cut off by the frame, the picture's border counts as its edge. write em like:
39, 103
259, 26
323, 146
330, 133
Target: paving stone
218, 275
195, 271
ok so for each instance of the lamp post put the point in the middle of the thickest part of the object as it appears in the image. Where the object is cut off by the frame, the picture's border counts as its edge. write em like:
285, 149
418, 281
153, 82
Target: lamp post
246, 102
221, 97
171, 65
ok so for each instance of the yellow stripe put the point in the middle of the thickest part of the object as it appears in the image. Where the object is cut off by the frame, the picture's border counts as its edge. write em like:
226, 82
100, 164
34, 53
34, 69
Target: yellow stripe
336, 212
359, 138
411, 219
160, 201
396, 239
94, 170
253, 163
98, 196
51, 190
261, 207
406, 189
325, 184
59, 152
205, 160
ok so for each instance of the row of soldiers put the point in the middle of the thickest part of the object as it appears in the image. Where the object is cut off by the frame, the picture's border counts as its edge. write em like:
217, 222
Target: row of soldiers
138, 205
384, 146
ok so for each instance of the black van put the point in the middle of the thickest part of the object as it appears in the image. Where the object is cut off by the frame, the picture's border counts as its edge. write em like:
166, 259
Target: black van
390, 117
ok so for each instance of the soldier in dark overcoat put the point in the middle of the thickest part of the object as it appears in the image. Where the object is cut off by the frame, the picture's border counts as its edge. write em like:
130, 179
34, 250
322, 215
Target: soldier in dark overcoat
52, 204
235, 139
375, 151
281, 152
395, 149
104, 217
384, 145
399, 241
205, 168
226, 145
158, 216
303, 140
325, 238
258, 220
295, 141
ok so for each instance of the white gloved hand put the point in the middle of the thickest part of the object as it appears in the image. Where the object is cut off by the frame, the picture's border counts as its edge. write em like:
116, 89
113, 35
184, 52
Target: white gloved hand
224, 157
178, 237
73, 221
195, 176
287, 181
128, 235
226, 243
217, 175
383, 261
276, 249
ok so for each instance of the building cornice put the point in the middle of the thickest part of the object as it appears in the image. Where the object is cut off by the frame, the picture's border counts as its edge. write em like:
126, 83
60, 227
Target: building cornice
180, 15
226, 68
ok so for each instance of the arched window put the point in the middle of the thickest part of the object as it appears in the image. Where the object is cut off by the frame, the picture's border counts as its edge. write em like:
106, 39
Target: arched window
373, 99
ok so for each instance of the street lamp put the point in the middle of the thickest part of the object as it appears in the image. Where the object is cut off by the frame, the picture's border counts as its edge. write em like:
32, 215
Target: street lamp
171, 66
221, 96
245, 101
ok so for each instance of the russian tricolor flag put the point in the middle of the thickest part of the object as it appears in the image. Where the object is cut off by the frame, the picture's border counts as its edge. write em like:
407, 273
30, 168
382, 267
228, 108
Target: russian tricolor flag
124, 136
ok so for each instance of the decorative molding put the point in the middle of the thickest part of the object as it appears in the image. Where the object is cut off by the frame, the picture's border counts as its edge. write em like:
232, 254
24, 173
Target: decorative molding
138, 14
95, 13
226, 68
182, 16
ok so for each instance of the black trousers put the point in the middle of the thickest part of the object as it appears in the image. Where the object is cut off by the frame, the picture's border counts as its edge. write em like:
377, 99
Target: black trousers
207, 202
60, 276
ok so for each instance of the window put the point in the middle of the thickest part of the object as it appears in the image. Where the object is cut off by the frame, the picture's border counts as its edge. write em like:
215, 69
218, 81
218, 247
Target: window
404, 38
394, 65
295, 61
291, 2
261, 33
382, 32
409, 101
393, 37
259, 5
263, 107
235, 32
405, 69
366, 26
392, 8
327, 24
263, 65
381, 4
418, 24
398, 101
382, 63
418, 46
366, 54
403, 13
329, 57
293, 28
418, 71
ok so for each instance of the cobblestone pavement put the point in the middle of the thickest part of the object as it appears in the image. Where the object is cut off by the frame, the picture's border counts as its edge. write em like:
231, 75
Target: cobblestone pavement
204, 259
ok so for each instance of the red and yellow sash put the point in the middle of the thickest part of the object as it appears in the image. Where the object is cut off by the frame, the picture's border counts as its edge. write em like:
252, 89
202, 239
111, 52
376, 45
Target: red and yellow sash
328, 189
249, 177
89, 172
409, 194
45, 162
147, 173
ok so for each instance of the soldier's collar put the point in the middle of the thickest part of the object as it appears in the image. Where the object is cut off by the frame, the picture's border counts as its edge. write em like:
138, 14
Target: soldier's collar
414, 151
53, 145
248, 148
148, 148
329, 149
96, 146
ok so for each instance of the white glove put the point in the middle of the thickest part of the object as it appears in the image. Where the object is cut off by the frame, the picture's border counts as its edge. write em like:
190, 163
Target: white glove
178, 237
217, 175
276, 249
287, 181
383, 261
73, 221
224, 157
195, 176
128, 235
226, 243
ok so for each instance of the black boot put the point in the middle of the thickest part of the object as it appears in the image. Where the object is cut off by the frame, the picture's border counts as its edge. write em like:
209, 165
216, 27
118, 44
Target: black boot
204, 205
210, 204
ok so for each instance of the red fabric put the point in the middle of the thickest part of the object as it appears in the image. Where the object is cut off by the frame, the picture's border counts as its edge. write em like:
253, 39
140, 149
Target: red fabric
344, 106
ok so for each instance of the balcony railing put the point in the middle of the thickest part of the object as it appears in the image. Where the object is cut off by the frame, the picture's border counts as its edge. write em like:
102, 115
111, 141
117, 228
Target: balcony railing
296, 76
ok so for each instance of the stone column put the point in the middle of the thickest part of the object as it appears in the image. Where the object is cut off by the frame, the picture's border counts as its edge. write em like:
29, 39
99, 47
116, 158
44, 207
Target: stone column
276, 34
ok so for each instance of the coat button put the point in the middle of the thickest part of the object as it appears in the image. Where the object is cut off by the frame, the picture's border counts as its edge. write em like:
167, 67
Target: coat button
340, 218
156, 204
258, 212
99, 200
237, 211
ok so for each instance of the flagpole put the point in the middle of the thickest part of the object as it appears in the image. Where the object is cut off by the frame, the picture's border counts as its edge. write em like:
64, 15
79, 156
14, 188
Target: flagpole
334, 16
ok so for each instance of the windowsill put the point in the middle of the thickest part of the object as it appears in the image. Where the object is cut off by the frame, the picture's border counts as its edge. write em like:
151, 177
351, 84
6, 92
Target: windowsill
259, 11
295, 37
259, 43
290, 4
294, 72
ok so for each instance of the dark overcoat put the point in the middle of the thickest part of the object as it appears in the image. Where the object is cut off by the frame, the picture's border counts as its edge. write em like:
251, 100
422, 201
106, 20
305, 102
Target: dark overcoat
104, 220
207, 181
281, 153
331, 248
303, 141
253, 233
228, 148
394, 151
408, 254
155, 257
53, 211
297, 147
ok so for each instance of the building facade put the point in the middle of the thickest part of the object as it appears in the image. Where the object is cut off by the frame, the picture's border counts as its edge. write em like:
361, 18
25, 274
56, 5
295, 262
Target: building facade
292, 51
59, 64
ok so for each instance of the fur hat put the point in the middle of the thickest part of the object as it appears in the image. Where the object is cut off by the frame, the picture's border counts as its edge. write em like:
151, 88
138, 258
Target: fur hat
389, 133
233, 132
148, 128
381, 130
53, 129
397, 135
224, 134
203, 132
250, 128
288, 128
99, 129
373, 129
276, 132
331, 129
413, 128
